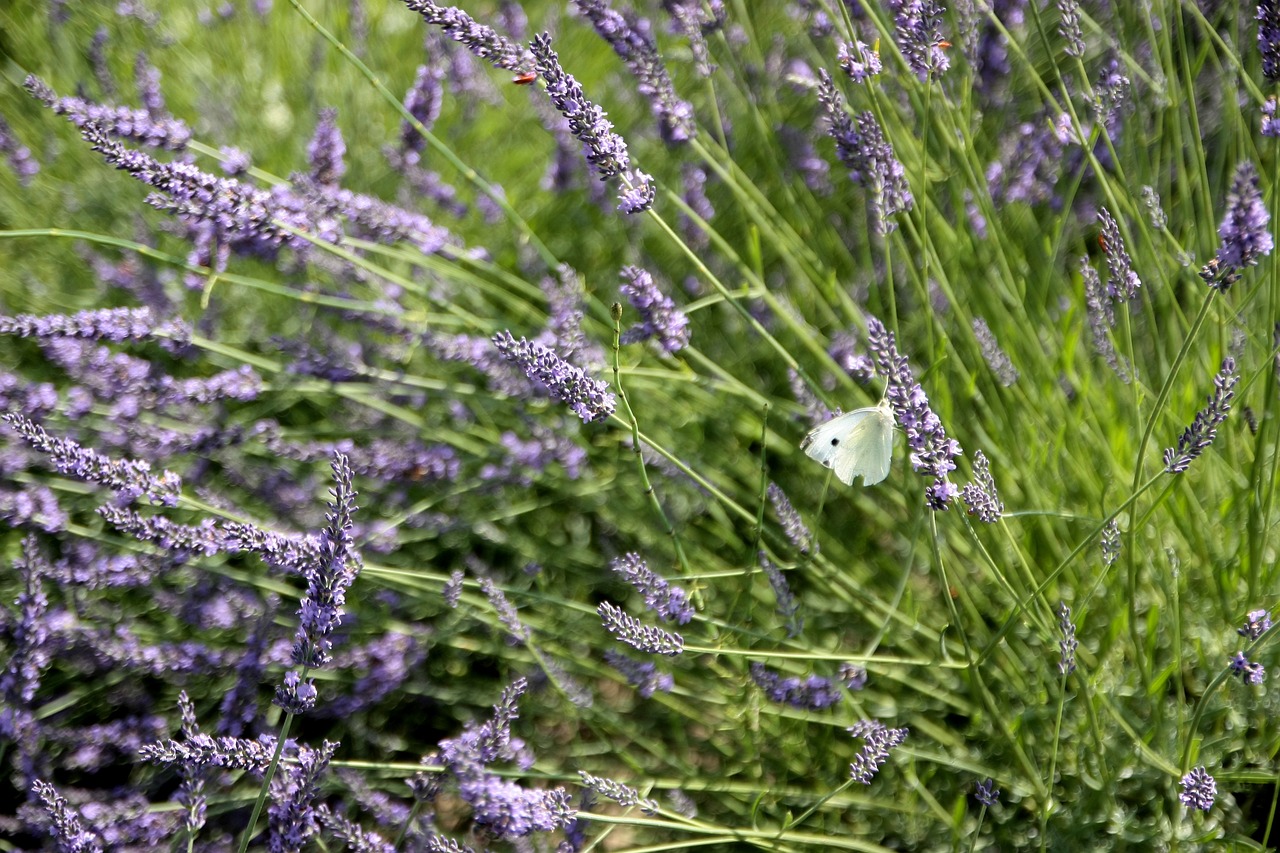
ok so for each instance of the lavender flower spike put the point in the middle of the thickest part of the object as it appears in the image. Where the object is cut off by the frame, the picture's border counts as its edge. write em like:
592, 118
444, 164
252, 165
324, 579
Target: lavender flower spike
671, 603
878, 739
483, 41
1199, 789
623, 795
329, 577
1244, 232
1269, 38
107, 324
70, 833
130, 477
1123, 282
1204, 428
933, 454
919, 33
589, 398
660, 319
120, 122
636, 634
811, 694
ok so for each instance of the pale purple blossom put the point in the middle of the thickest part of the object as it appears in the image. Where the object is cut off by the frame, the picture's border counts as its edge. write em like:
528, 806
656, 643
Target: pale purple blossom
66, 824
813, 693
793, 526
660, 319
483, 41
590, 399
623, 795
1247, 670
1257, 623
980, 494
634, 633
326, 150
1199, 789
861, 62
1244, 231
787, 606
918, 25
1268, 16
643, 675
1200, 434
878, 739
671, 603
120, 122
1122, 282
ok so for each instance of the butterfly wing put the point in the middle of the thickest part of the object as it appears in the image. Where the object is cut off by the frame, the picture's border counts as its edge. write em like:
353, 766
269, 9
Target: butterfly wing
857, 443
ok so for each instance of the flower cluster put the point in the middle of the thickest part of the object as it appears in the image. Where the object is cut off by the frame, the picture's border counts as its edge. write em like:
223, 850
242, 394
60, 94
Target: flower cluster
671, 603
877, 740
814, 693
1269, 38
120, 122
1122, 283
980, 494
793, 526
24, 165
1199, 789
1200, 434
660, 319
623, 795
590, 399
997, 359
859, 61
1067, 645
1110, 543
636, 634
1101, 315
919, 31
933, 454
1257, 623
787, 606
105, 324
1244, 232
1069, 27
643, 675
481, 40
986, 793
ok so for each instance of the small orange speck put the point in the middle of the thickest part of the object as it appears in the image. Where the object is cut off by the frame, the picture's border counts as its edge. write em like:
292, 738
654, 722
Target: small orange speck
524, 78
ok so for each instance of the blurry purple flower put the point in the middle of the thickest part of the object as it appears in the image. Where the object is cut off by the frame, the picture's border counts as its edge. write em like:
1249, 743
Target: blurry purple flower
868, 156
986, 793
67, 829
120, 122
1257, 623
147, 77
1122, 281
130, 478
565, 310
634, 633
453, 588
859, 61
1028, 172
623, 795
326, 150
33, 505
356, 839
1268, 17
660, 319
1069, 27
1244, 230
28, 640
97, 55
107, 324
846, 351
1200, 434
816, 411
695, 197
814, 693
328, 579
878, 739
695, 20
643, 675
919, 32
1199, 789
1155, 213
632, 39
1101, 316
423, 102
483, 41
787, 606
933, 454
671, 603
510, 811
20, 159
980, 494
506, 611
853, 676
482, 745
997, 359
1067, 645
590, 399
1111, 92
1247, 670
804, 159
793, 526
291, 815
234, 161
1270, 124
638, 192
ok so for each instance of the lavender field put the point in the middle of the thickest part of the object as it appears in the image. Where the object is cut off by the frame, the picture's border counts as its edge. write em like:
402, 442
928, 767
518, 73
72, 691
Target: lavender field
639, 425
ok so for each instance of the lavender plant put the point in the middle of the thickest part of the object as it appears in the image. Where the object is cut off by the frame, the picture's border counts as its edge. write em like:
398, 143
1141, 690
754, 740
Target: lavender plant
358, 458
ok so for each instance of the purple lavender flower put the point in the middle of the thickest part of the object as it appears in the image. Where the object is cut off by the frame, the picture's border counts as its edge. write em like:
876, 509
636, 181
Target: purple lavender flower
878, 739
1247, 670
326, 150
97, 54
787, 606
1030, 164
1244, 232
868, 156
918, 24
120, 122
671, 603
1257, 623
997, 359
793, 527
328, 579
483, 41
590, 399
201, 750
1268, 17
859, 61
295, 695
291, 815
67, 828
638, 192
695, 198
660, 319
1270, 124
147, 77
814, 693
1199, 789
634, 633
191, 789
986, 793
423, 102
1110, 543
1122, 281
24, 165
846, 351
1101, 315
853, 677
1067, 645
510, 811
356, 839
1069, 27
642, 675
506, 611
695, 20
604, 150
632, 39
107, 324
980, 494
1200, 434
129, 478
933, 454
1155, 213
623, 795
453, 588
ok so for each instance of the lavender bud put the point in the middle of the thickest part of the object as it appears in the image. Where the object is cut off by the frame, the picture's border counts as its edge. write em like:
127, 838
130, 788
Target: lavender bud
1067, 645
918, 25
1268, 17
1069, 27
1122, 282
853, 676
623, 795
671, 603
1110, 543
793, 527
294, 695
453, 588
326, 150
1257, 623
1270, 124
814, 693
67, 829
1200, 434
997, 359
859, 61
20, 159
633, 632
1244, 232
1101, 316
291, 818
605, 150
980, 494
590, 399
1247, 670
506, 611
878, 739
986, 793
643, 675
1199, 789
147, 77
483, 41
120, 122
107, 324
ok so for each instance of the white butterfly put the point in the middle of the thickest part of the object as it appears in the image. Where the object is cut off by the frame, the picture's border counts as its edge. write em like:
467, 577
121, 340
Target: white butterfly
857, 443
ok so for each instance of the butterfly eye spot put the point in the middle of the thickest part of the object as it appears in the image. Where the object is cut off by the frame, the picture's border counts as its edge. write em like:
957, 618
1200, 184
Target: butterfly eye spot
834, 442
